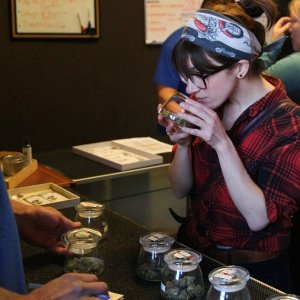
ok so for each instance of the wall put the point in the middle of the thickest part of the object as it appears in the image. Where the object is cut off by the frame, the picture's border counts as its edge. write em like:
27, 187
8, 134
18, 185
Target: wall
69, 92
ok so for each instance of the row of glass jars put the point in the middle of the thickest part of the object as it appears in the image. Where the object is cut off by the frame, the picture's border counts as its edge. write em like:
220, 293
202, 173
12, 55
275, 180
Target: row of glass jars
178, 270
180, 276
84, 244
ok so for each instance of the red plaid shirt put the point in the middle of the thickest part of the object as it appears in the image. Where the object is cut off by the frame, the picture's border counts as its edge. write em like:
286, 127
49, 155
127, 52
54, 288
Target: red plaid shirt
271, 155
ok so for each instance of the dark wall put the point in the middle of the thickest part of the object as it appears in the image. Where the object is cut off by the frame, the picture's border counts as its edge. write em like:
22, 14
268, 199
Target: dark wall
68, 92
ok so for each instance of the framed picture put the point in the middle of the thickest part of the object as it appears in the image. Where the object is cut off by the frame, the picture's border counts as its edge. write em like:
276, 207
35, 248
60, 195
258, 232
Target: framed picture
55, 19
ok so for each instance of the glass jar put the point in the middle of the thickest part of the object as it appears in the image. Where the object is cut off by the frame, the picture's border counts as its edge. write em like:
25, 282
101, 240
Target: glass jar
182, 275
229, 282
12, 164
91, 215
150, 263
171, 107
283, 297
83, 252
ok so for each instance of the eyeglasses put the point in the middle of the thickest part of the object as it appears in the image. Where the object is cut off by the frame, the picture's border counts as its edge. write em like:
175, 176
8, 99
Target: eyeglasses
198, 79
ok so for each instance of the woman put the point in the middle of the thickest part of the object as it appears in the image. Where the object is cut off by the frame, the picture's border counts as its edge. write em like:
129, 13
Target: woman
288, 67
243, 192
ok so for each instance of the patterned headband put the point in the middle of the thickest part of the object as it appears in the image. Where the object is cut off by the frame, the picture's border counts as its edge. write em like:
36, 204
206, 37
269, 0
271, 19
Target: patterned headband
219, 34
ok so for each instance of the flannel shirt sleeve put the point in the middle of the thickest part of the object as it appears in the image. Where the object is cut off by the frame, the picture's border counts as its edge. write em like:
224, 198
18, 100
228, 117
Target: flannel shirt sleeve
279, 178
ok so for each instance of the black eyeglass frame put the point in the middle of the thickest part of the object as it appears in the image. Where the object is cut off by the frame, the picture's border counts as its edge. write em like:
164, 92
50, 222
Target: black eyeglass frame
207, 75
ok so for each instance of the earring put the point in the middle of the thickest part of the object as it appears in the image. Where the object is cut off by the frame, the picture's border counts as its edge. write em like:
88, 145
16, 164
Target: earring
240, 76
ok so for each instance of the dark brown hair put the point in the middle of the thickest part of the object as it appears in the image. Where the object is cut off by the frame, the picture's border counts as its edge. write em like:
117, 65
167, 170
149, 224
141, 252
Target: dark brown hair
242, 12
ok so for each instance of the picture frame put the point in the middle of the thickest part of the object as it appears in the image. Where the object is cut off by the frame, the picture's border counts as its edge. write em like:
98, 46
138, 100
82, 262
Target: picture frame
77, 19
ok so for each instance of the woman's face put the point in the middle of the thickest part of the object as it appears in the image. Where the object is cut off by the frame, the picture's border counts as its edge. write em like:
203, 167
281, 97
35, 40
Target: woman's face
219, 87
295, 25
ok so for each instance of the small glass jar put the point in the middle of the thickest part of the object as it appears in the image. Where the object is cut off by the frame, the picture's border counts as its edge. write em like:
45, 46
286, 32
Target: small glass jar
229, 282
83, 252
283, 297
151, 262
91, 215
171, 107
182, 275
12, 164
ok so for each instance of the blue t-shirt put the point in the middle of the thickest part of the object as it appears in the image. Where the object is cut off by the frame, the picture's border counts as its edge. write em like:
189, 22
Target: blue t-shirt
165, 72
11, 264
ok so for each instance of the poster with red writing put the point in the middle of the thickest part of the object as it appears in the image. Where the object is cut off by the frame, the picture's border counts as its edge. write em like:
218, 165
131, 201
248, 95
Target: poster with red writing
162, 17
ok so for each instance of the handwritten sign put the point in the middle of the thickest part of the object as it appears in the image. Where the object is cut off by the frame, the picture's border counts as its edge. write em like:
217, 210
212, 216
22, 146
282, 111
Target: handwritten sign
162, 17
55, 16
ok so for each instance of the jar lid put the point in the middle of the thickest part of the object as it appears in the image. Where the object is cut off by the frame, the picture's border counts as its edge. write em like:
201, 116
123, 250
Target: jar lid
229, 278
283, 297
12, 164
184, 260
156, 242
83, 238
89, 207
16, 158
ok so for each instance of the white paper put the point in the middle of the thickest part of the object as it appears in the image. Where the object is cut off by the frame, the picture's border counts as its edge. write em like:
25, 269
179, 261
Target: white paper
115, 296
120, 156
146, 144
162, 17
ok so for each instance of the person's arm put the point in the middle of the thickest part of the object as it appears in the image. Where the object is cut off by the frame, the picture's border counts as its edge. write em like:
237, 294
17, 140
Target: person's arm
180, 170
8, 295
70, 286
245, 193
279, 30
42, 226
278, 191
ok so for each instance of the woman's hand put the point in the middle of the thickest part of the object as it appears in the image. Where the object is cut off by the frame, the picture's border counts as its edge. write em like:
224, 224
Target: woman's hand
281, 28
207, 124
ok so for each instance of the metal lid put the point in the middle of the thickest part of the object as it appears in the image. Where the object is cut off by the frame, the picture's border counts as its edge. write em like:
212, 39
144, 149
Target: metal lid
184, 260
16, 158
12, 164
89, 209
229, 278
158, 242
